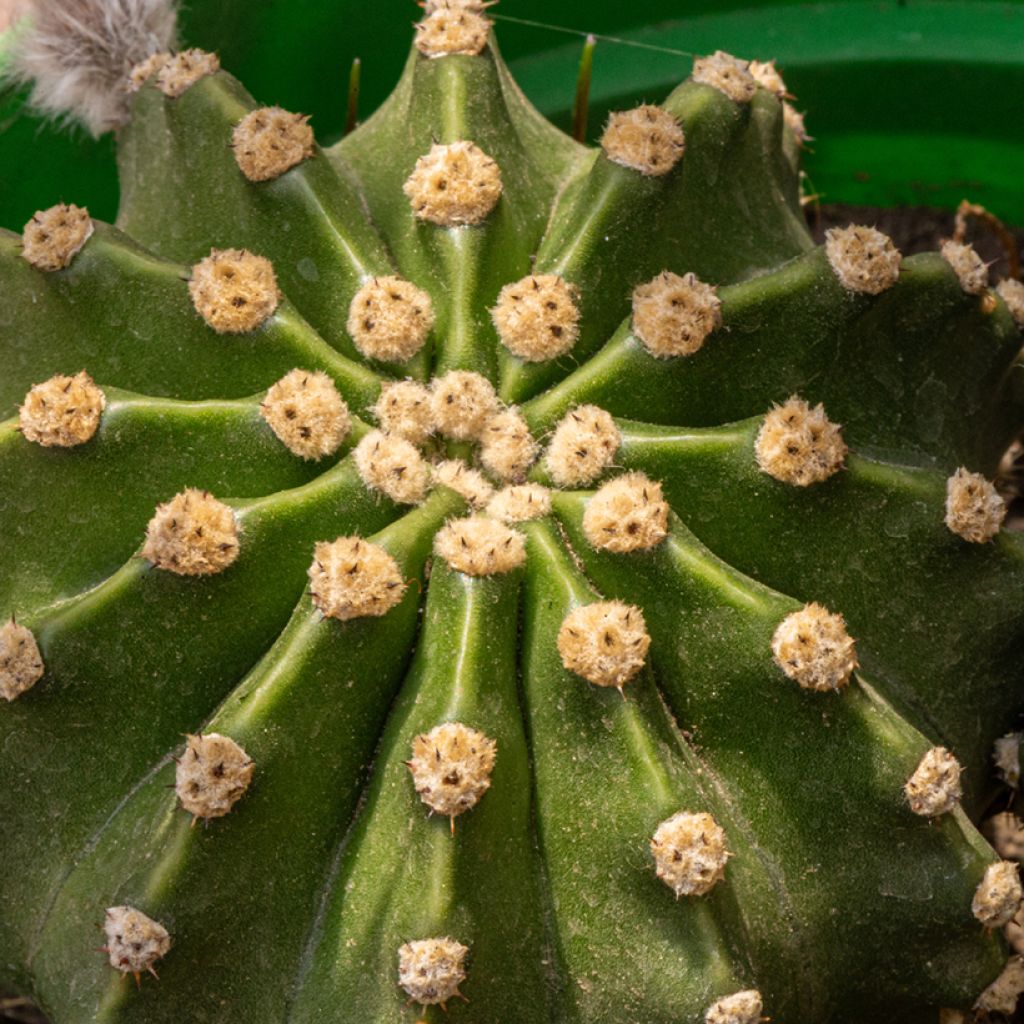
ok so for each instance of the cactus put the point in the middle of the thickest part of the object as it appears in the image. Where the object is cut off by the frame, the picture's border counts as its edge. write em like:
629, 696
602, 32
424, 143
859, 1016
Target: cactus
464, 571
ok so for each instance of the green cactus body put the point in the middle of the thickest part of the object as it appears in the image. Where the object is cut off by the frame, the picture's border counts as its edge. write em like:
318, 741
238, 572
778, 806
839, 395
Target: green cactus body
641, 737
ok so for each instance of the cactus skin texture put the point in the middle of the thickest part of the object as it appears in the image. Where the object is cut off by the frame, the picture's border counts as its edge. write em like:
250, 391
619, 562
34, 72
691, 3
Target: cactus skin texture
829, 899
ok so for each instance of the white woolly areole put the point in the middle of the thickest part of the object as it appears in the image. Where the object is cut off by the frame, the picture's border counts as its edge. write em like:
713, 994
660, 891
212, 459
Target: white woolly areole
351, 578
727, 74
998, 896
431, 970
934, 788
134, 941
605, 642
454, 184
142, 72
1006, 755
864, 259
1002, 995
269, 141
795, 122
507, 448
968, 266
974, 508
799, 445
182, 70
478, 546
53, 237
452, 30
393, 466
626, 514
21, 664
389, 318
403, 409
451, 767
78, 53
461, 403
193, 534
306, 412
62, 412
456, 475
813, 648
766, 74
537, 318
234, 290
647, 139
212, 775
739, 1008
673, 315
583, 446
689, 853
520, 503
1011, 291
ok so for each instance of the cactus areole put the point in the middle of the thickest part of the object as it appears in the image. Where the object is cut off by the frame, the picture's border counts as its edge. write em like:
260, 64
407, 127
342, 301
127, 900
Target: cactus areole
463, 575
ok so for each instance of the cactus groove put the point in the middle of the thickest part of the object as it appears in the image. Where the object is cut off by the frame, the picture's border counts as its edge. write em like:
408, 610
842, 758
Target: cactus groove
695, 743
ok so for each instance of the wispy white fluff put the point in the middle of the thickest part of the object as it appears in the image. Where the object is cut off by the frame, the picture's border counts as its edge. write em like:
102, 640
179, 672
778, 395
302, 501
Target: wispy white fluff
77, 54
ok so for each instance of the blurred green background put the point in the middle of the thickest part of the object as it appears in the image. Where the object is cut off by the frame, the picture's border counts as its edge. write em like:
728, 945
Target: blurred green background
915, 103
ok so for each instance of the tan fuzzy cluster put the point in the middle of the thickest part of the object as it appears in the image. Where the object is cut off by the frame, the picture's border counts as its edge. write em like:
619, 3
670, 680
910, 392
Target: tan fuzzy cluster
21, 664
431, 970
813, 648
507, 448
1006, 756
673, 315
351, 578
389, 318
740, 1008
179, 73
974, 508
452, 30
478, 546
537, 318
795, 122
212, 775
766, 74
456, 475
403, 409
647, 139
393, 466
520, 503
1002, 995
1011, 291
461, 403
727, 74
864, 259
193, 534
626, 514
62, 412
969, 267
269, 141
53, 237
454, 184
233, 290
451, 767
605, 642
934, 788
998, 896
799, 445
134, 941
582, 447
145, 70
306, 412
689, 853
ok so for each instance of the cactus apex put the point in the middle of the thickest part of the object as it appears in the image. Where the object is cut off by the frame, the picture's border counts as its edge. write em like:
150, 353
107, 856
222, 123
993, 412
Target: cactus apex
727, 74
431, 970
627, 514
864, 259
934, 788
21, 664
537, 317
812, 647
393, 466
583, 446
403, 409
739, 1008
390, 318
134, 941
766, 74
673, 315
451, 767
62, 412
180, 72
520, 503
1011, 291
798, 444
450, 30
456, 475
461, 403
53, 237
605, 642
144, 70
269, 141
351, 578
193, 534
306, 412
970, 269
998, 896
453, 185
234, 290
974, 508
478, 546
212, 775
647, 139
507, 448
689, 853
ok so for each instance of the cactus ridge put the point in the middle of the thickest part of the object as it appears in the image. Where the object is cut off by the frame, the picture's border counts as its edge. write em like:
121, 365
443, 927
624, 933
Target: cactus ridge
659, 749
